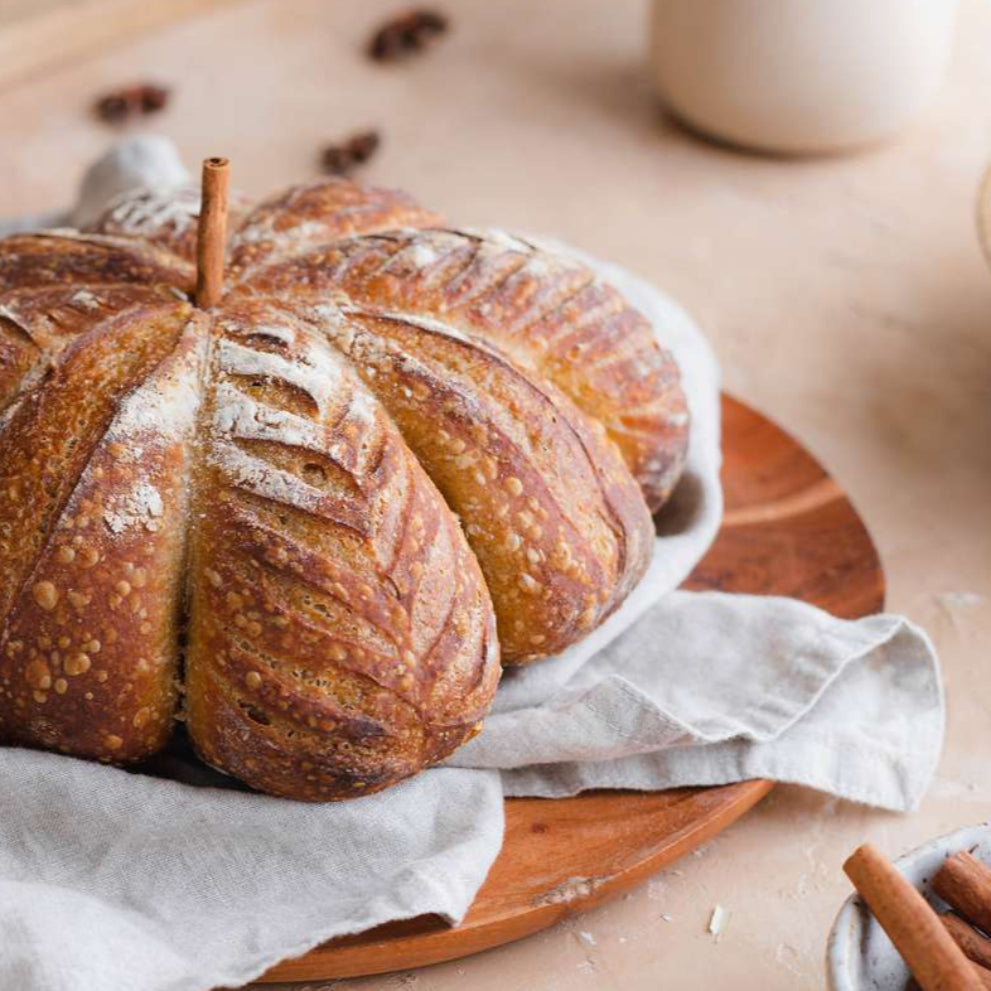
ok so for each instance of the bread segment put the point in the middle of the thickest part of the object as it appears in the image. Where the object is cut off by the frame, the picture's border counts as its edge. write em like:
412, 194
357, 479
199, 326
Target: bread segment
341, 635
319, 213
93, 472
557, 523
68, 258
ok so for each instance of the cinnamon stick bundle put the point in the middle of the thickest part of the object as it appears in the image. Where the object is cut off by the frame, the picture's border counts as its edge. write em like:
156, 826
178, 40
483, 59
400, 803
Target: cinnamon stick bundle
935, 960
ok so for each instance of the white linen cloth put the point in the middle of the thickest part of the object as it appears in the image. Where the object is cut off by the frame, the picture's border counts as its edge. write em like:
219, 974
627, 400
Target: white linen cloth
123, 881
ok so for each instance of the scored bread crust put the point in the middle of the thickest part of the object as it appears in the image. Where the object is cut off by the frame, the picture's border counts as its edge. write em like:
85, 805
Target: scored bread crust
550, 314
557, 523
94, 508
163, 217
314, 214
341, 636
301, 515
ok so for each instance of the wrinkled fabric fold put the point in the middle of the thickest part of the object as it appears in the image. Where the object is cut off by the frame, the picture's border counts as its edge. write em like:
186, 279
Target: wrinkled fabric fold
114, 880
708, 688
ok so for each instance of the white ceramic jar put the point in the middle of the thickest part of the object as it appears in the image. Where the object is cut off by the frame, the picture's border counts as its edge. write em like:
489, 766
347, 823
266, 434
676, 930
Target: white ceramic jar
800, 76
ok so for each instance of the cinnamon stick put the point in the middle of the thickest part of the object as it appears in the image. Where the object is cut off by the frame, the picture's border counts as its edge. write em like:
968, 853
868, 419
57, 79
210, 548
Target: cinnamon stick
211, 235
965, 884
935, 960
975, 946
983, 975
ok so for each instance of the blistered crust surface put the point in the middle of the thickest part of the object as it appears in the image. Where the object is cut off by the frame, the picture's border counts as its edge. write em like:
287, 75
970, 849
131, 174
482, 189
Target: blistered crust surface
552, 316
341, 634
305, 520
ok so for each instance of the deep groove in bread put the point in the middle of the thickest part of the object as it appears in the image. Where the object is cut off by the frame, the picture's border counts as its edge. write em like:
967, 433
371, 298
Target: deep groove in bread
535, 308
16, 329
402, 366
552, 407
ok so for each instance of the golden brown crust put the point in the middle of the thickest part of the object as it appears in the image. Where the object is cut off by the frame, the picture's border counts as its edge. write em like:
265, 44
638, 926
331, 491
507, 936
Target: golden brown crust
93, 497
551, 315
52, 316
19, 357
321, 212
557, 524
66, 258
341, 635
256, 481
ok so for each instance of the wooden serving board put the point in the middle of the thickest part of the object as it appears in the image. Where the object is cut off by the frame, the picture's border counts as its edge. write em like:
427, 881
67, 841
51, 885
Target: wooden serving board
788, 529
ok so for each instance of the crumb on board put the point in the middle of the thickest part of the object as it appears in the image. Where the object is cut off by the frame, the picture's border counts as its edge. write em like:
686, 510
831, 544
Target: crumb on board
572, 889
718, 921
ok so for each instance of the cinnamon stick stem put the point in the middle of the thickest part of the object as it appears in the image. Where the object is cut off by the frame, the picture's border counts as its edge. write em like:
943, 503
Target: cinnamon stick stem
211, 235
965, 884
975, 946
935, 960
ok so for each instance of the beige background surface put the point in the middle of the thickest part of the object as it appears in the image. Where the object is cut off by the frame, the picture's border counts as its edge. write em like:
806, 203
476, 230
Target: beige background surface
845, 296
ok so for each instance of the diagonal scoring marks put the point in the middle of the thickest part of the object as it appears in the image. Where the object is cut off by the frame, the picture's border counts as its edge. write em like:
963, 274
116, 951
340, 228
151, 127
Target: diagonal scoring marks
285, 434
89, 640
314, 215
552, 316
557, 524
58, 258
322, 582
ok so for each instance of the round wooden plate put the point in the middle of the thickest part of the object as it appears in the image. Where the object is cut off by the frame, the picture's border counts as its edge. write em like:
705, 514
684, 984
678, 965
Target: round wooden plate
788, 529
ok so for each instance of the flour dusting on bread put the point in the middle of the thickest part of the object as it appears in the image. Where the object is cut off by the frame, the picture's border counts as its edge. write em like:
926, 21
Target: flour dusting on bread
139, 506
163, 409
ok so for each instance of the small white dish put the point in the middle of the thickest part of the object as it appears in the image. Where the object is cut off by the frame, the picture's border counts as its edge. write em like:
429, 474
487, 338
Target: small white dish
859, 955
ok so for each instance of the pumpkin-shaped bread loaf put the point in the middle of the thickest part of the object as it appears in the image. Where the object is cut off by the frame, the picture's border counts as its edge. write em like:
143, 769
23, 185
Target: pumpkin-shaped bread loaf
306, 519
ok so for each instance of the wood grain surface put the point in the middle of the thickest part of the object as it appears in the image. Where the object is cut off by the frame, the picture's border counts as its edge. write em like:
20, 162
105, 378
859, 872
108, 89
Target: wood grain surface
788, 529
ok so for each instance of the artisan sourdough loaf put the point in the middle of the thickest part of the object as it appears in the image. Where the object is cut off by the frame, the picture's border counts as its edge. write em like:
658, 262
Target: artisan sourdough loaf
306, 520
